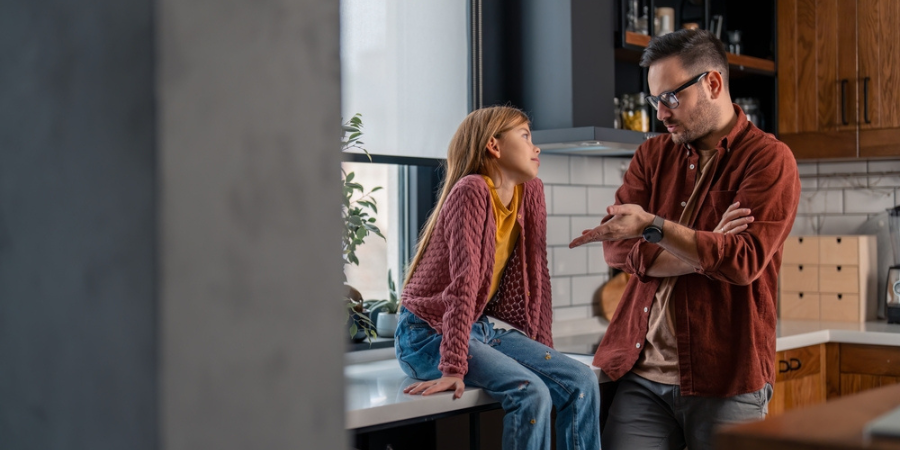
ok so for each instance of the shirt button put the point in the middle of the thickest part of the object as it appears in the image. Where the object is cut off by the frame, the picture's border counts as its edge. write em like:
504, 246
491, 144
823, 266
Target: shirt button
638, 345
692, 166
645, 309
683, 204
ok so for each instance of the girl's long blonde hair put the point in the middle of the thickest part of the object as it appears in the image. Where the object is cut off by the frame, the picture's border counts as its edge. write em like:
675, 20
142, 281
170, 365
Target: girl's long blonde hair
468, 155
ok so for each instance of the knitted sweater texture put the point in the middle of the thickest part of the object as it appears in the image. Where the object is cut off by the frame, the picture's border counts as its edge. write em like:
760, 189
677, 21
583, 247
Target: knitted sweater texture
450, 285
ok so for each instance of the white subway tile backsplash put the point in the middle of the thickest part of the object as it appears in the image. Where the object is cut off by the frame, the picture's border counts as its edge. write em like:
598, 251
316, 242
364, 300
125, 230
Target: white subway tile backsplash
599, 198
808, 169
571, 313
584, 289
821, 202
596, 261
554, 169
569, 261
558, 230
805, 225
580, 224
843, 167
845, 182
868, 200
561, 288
569, 200
884, 181
613, 170
846, 224
548, 198
884, 166
586, 170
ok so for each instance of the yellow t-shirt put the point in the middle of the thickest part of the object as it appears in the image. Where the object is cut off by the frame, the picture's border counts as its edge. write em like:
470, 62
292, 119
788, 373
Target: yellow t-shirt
507, 230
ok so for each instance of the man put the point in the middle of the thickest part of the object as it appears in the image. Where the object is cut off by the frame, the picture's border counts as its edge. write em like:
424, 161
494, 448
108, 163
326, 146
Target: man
692, 343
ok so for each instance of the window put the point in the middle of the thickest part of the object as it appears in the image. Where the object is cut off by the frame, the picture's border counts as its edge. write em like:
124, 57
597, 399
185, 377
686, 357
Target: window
404, 68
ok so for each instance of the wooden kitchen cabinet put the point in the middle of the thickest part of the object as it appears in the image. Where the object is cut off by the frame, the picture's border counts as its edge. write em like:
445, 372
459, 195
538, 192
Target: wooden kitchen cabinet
814, 374
864, 367
837, 88
879, 67
799, 379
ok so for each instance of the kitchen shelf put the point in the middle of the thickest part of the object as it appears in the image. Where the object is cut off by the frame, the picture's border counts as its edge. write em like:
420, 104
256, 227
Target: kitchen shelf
738, 63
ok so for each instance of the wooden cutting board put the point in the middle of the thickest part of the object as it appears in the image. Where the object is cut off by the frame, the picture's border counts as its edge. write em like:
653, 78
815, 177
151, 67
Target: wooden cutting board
611, 293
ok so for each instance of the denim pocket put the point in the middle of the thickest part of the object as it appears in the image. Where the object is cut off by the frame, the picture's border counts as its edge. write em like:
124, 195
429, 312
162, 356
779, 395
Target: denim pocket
418, 347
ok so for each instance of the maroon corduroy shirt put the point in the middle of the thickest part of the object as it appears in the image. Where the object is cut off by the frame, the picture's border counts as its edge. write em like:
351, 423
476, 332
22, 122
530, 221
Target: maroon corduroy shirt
725, 313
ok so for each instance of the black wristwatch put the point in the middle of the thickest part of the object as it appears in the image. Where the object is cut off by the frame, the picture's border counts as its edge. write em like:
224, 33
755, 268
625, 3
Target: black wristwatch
654, 232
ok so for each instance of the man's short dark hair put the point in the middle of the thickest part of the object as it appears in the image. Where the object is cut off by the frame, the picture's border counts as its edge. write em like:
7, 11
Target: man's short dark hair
697, 49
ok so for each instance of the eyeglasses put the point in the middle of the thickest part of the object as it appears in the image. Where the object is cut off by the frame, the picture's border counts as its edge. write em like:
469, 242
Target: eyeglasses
668, 98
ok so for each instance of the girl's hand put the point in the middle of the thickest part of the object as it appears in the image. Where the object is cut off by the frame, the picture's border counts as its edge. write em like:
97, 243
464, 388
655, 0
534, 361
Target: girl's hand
734, 220
440, 385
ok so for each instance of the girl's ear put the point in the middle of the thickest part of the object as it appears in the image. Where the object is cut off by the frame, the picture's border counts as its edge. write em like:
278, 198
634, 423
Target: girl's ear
493, 147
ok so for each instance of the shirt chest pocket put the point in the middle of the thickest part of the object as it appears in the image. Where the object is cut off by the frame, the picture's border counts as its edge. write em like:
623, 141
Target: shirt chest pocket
714, 208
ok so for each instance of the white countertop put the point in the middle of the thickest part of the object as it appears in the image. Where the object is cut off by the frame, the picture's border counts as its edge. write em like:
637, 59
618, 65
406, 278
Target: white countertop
374, 395
801, 333
375, 382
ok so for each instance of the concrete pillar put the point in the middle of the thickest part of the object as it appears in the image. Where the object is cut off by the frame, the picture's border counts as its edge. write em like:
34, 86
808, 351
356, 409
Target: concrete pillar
169, 216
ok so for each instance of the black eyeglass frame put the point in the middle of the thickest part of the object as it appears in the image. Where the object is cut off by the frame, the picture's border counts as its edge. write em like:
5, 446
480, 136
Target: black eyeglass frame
655, 100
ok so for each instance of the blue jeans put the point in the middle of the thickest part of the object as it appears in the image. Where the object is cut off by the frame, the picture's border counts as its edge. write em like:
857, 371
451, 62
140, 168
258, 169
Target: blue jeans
525, 376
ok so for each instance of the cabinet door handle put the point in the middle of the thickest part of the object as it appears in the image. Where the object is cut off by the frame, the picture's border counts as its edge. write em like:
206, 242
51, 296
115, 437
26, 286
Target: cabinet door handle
866, 98
795, 364
844, 101
783, 366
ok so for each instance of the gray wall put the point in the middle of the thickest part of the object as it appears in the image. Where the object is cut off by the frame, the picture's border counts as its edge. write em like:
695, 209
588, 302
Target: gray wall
165, 269
77, 226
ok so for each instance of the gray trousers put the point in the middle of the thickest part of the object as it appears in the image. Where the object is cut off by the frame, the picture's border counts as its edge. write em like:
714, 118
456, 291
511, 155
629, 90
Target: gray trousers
648, 415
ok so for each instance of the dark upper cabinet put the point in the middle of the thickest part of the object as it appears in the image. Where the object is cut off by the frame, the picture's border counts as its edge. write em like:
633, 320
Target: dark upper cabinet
838, 60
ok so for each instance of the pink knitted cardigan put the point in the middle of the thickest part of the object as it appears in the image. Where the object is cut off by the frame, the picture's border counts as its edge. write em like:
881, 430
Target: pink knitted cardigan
450, 286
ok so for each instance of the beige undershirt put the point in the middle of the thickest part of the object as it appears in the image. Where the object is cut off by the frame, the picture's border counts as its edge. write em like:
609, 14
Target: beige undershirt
659, 360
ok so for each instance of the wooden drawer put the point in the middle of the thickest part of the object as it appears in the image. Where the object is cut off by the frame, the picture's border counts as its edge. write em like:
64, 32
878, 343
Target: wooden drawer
798, 363
799, 305
801, 250
839, 307
839, 279
839, 250
870, 359
799, 278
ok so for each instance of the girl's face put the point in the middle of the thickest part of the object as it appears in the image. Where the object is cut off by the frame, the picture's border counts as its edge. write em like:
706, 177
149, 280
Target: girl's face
516, 156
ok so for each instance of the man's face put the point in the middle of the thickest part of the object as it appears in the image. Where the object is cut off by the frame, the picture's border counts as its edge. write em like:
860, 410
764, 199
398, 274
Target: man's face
695, 117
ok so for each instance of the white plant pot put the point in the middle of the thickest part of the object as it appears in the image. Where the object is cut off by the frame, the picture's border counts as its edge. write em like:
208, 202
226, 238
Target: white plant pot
386, 324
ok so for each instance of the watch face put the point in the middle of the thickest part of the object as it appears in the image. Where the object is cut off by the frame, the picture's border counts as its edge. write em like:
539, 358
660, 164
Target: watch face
652, 234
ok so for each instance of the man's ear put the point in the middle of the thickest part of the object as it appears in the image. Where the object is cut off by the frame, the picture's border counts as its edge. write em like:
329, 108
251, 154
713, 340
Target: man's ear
716, 84
493, 147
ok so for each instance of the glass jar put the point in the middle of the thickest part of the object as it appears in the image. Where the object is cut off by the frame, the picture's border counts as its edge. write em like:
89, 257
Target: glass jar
635, 113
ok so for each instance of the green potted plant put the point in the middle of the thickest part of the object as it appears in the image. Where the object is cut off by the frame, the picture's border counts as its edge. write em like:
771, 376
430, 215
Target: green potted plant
358, 225
384, 312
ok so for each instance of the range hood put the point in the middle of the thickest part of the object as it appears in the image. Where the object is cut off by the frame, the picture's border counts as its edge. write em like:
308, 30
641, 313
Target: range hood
556, 61
589, 141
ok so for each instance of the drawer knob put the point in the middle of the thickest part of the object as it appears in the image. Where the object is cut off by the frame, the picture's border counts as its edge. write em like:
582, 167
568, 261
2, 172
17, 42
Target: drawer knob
838, 240
795, 364
839, 268
840, 296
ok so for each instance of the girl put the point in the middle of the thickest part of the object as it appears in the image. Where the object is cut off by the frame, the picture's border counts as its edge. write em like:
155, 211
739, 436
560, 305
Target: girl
483, 252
